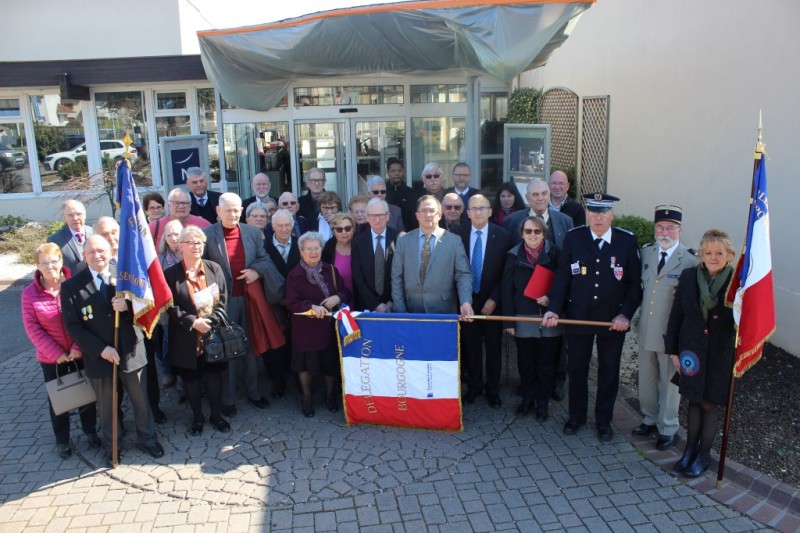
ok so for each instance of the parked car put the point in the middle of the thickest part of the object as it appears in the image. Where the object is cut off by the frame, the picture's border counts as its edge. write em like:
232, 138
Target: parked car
113, 149
9, 157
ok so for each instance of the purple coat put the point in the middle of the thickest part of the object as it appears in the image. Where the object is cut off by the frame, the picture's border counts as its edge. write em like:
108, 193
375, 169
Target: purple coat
311, 334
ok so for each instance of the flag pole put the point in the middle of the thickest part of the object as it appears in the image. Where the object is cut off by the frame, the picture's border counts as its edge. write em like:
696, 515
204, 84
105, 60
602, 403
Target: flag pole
114, 407
723, 451
497, 318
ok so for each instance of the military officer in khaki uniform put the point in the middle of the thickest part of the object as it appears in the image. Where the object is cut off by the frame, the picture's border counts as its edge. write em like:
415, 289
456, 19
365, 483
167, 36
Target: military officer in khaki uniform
662, 264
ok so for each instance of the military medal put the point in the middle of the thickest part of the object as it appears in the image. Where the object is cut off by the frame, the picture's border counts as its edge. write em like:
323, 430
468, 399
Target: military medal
618, 273
90, 312
85, 313
613, 261
583, 271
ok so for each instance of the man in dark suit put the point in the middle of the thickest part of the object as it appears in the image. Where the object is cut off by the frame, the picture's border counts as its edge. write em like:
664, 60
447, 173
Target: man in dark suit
261, 186
461, 178
204, 201
430, 271
71, 237
239, 250
371, 258
315, 182
400, 194
538, 197
376, 187
486, 245
88, 307
289, 202
559, 201
598, 278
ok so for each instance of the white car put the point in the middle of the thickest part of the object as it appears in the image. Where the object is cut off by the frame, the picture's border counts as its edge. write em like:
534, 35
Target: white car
113, 149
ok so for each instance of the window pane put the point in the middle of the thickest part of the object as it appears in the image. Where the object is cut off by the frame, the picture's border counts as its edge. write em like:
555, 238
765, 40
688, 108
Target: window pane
59, 133
273, 149
353, 95
207, 112
15, 172
441, 140
119, 113
9, 107
174, 100
438, 94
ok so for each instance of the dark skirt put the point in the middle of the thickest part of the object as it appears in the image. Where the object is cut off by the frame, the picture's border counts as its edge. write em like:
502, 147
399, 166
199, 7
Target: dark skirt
317, 363
202, 368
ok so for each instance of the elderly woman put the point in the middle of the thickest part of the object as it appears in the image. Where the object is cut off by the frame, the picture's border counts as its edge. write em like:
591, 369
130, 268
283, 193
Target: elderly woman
337, 250
193, 280
259, 215
316, 287
55, 350
358, 208
153, 205
536, 346
169, 253
507, 201
700, 340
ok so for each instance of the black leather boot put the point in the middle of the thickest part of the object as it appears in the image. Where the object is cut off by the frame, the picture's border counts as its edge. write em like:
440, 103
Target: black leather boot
698, 465
688, 456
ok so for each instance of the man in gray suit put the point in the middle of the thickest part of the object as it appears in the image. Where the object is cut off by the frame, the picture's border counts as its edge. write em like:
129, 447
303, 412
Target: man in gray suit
239, 250
662, 264
430, 271
71, 237
538, 197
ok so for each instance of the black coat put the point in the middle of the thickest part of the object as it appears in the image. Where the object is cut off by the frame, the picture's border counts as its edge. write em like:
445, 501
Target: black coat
208, 211
362, 258
498, 241
705, 347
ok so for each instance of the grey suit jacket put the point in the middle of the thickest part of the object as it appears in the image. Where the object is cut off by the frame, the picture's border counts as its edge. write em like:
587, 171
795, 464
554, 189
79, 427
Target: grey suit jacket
255, 256
558, 225
448, 281
659, 292
70, 248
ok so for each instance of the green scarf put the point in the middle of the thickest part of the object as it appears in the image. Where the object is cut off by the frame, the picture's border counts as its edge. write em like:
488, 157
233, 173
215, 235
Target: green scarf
710, 287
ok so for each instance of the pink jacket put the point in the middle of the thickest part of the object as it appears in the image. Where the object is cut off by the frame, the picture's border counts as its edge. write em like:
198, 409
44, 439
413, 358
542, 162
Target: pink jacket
41, 316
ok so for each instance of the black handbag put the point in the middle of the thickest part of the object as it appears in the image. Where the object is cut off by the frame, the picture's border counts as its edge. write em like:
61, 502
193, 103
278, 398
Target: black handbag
225, 340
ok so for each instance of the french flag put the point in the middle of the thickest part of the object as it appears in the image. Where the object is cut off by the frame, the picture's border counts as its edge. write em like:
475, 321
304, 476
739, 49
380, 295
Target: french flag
751, 292
139, 275
402, 371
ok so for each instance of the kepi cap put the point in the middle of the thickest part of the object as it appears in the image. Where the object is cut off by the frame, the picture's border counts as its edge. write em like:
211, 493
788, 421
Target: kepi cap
599, 202
668, 213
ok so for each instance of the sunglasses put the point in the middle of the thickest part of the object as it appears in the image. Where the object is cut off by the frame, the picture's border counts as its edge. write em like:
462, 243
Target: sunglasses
452, 207
431, 176
342, 229
288, 203
376, 193
535, 231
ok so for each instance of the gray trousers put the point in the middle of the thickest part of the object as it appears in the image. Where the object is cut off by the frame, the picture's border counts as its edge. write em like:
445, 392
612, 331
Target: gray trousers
134, 385
658, 398
244, 368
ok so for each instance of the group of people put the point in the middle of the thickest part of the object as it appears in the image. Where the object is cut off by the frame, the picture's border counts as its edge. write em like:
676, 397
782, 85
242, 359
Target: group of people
550, 269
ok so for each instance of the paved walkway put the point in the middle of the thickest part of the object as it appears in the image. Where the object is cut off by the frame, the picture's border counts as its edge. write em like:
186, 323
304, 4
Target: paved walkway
279, 471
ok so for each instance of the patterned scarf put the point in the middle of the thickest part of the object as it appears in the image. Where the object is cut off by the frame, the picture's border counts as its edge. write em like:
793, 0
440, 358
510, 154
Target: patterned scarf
532, 254
314, 276
710, 287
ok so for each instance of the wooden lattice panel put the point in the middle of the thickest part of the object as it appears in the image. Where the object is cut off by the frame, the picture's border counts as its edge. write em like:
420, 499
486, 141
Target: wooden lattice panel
559, 108
594, 145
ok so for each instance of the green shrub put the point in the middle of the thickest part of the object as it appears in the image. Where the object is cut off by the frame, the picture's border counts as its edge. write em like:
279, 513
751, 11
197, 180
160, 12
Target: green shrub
10, 223
643, 228
523, 105
24, 239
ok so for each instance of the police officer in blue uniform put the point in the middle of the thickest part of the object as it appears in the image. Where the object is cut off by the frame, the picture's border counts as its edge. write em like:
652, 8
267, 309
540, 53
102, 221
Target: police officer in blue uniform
598, 278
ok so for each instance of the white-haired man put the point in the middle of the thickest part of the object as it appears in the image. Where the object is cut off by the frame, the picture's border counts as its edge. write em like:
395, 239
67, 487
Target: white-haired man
73, 235
179, 204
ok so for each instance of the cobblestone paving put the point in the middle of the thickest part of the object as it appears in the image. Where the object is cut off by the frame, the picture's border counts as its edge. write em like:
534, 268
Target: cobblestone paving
279, 471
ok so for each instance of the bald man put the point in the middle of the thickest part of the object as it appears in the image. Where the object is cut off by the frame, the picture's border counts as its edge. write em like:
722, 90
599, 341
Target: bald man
261, 186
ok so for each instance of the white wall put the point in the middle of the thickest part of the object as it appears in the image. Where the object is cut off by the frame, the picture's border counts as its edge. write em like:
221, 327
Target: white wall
687, 80
47, 30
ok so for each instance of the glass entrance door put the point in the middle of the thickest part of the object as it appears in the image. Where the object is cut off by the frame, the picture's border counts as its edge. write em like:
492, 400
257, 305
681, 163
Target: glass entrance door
323, 145
376, 142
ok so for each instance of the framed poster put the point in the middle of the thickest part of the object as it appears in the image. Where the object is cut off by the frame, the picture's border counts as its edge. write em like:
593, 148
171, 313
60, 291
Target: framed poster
180, 153
527, 154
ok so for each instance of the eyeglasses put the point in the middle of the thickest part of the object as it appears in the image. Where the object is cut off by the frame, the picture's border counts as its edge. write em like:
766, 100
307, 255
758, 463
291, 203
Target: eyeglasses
376, 193
193, 244
331, 208
535, 231
54, 262
288, 203
479, 209
432, 176
342, 229
173, 202
668, 229
453, 207
316, 180
376, 215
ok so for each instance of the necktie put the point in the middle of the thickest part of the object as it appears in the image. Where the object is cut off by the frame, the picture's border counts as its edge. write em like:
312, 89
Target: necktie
379, 264
599, 243
103, 287
425, 259
79, 237
662, 261
477, 263
201, 202
284, 249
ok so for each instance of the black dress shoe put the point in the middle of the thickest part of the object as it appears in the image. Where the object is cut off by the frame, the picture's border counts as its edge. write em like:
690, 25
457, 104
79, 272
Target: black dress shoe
642, 430
278, 391
686, 459
158, 416
471, 395
558, 392
541, 414
665, 442
698, 465
155, 450
571, 427
221, 425
308, 409
332, 403
196, 429
94, 441
228, 410
261, 403
494, 400
64, 450
604, 434
108, 458
524, 408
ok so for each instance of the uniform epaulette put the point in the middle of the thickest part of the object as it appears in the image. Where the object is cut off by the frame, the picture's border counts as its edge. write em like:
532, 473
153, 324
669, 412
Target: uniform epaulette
629, 232
577, 227
692, 251
649, 244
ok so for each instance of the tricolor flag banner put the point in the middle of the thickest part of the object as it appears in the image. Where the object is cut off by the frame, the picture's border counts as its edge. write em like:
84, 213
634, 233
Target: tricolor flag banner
139, 275
751, 292
402, 371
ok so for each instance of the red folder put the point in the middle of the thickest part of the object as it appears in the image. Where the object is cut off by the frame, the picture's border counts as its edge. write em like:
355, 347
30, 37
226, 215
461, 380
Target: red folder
540, 283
